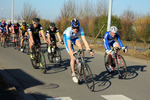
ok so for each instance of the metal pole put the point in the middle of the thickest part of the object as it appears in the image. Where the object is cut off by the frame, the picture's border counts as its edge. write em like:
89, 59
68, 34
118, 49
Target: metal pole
2, 13
109, 15
12, 11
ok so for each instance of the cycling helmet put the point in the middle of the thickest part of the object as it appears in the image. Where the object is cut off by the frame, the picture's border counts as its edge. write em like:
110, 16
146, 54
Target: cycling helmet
24, 24
36, 20
75, 23
52, 25
113, 29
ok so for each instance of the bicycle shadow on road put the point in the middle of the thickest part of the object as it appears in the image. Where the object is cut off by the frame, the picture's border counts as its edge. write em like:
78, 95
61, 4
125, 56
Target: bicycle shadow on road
132, 71
52, 68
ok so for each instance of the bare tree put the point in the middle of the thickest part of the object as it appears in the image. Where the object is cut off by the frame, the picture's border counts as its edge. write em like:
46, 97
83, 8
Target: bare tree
28, 13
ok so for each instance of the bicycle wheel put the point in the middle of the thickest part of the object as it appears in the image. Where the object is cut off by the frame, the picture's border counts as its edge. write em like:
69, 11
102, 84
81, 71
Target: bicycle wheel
50, 57
34, 60
58, 57
88, 76
121, 65
106, 62
42, 62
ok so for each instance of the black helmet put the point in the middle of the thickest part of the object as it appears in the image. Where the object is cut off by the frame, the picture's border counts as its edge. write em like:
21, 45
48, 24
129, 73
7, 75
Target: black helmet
75, 23
24, 24
52, 25
36, 20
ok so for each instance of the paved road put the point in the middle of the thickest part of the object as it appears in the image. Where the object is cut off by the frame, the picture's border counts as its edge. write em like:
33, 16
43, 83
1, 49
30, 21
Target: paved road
57, 82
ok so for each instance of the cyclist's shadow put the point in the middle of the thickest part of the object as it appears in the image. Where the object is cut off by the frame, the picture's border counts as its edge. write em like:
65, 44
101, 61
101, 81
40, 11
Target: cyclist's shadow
102, 81
53, 68
132, 71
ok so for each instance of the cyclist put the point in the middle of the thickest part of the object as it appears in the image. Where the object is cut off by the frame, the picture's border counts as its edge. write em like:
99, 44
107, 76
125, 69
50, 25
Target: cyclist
71, 36
23, 33
50, 33
9, 27
2, 28
2, 34
34, 30
109, 41
15, 31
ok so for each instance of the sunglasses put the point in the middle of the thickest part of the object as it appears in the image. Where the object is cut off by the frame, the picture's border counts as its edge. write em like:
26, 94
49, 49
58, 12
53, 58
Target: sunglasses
35, 23
75, 27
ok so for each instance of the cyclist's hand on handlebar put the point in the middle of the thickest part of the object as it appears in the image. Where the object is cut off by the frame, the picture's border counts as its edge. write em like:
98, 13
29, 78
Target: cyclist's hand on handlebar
91, 51
124, 49
61, 42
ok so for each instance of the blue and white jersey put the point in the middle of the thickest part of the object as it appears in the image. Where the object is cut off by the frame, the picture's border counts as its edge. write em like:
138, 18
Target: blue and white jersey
2, 29
3, 26
70, 35
108, 40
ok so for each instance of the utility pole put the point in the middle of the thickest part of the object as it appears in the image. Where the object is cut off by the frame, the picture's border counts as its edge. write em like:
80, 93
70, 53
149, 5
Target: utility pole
12, 11
109, 15
2, 13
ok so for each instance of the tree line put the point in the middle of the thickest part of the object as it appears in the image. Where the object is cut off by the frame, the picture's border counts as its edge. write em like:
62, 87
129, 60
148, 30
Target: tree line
92, 16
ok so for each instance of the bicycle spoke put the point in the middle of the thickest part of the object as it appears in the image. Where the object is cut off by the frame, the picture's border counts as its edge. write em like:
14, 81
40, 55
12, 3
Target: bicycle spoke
88, 76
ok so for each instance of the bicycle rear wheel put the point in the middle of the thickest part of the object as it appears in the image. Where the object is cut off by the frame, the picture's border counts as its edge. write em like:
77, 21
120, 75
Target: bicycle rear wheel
88, 76
42, 62
122, 68
106, 62
58, 57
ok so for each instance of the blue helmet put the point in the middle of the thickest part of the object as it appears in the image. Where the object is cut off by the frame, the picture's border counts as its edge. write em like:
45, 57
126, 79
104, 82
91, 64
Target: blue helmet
75, 23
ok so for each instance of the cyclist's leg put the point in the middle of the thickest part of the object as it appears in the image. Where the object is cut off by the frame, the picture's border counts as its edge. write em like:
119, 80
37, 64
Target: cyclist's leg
115, 44
79, 45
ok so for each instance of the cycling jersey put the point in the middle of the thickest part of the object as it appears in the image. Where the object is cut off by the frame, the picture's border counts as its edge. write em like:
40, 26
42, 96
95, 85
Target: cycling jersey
2, 29
24, 29
16, 28
3, 26
52, 33
35, 32
70, 35
109, 40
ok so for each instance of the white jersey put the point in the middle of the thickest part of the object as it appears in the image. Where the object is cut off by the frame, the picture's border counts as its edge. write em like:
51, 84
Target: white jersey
70, 35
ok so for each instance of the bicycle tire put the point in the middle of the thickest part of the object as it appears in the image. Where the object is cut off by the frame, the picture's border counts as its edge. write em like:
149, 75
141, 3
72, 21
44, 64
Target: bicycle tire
50, 57
88, 76
58, 55
122, 68
34, 60
106, 63
42, 62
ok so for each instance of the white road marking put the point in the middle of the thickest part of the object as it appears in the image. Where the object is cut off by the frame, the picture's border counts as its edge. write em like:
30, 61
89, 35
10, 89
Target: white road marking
115, 97
59, 98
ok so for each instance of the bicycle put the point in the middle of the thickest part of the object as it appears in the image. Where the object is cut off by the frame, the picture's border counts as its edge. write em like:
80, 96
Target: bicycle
83, 70
38, 58
55, 55
26, 45
16, 44
117, 62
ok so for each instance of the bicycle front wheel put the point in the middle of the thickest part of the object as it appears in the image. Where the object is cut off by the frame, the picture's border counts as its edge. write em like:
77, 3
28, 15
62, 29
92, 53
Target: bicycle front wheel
122, 68
42, 62
88, 76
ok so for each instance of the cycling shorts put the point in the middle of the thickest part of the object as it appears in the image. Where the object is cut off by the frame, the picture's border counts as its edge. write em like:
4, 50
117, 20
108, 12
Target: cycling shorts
73, 41
112, 43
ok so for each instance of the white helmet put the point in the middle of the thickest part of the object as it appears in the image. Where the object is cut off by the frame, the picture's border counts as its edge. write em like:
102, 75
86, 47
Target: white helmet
113, 29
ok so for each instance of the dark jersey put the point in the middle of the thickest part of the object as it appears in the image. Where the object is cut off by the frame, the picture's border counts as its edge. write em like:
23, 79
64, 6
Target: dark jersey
16, 28
52, 33
35, 32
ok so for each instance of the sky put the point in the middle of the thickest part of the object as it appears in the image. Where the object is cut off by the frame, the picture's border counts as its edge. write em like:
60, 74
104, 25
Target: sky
50, 9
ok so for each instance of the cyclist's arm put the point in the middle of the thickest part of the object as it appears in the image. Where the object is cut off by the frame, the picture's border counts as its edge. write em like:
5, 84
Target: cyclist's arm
58, 35
21, 32
43, 35
119, 40
85, 42
49, 40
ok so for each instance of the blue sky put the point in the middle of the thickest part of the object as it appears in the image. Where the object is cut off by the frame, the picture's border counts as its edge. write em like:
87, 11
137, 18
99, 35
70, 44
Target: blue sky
50, 9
